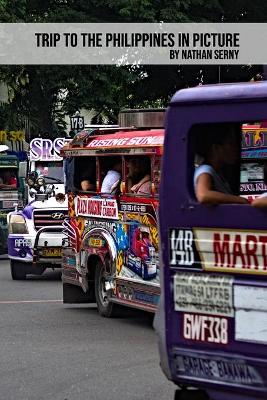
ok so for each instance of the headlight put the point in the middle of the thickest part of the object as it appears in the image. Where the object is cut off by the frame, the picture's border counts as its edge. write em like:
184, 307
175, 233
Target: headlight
17, 224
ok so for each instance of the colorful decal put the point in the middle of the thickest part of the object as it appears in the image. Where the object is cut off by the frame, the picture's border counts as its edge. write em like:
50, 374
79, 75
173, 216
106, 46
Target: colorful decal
203, 328
12, 136
254, 137
203, 293
96, 207
73, 229
22, 242
251, 305
119, 261
232, 251
182, 250
96, 242
141, 255
126, 292
258, 153
46, 149
20, 247
123, 140
216, 369
71, 205
139, 243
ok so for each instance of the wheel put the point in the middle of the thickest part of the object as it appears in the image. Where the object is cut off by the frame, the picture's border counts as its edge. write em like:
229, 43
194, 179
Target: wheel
105, 307
18, 270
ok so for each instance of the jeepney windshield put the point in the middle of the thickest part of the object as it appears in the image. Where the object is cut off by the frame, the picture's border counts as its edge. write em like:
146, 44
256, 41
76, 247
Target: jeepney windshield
51, 171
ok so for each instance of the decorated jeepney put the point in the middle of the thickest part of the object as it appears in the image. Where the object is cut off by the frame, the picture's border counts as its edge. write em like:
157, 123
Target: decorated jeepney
12, 165
35, 232
212, 316
110, 254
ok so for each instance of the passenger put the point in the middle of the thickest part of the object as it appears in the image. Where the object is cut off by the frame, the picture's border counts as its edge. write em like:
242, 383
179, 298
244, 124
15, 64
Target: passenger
221, 149
86, 184
112, 179
88, 175
139, 181
8, 180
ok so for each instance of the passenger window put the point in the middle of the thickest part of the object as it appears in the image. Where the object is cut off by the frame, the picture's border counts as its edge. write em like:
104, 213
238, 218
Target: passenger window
138, 175
215, 150
253, 156
110, 175
156, 174
85, 174
8, 178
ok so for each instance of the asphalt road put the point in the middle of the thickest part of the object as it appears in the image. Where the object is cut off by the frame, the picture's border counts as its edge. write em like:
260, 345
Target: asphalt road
51, 351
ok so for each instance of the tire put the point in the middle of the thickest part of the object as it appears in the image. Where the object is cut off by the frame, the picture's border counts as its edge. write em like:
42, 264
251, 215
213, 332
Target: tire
18, 270
105, 307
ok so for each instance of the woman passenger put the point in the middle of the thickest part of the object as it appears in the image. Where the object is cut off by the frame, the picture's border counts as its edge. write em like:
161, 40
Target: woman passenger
139, 181
220, 150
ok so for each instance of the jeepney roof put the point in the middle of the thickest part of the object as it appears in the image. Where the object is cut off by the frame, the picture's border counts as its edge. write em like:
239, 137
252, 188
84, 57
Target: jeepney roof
120, 140
222, 93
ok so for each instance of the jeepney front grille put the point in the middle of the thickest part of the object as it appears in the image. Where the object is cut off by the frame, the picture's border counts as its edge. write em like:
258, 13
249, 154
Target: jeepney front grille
42, 218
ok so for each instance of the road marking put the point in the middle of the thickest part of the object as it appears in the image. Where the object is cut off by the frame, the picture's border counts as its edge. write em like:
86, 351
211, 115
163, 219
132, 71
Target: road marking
29, 301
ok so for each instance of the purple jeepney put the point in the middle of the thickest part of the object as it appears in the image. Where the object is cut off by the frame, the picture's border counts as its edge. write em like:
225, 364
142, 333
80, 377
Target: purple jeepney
212, 317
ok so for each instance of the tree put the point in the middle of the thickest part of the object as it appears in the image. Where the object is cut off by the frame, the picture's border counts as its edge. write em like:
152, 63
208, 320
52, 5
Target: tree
44, 94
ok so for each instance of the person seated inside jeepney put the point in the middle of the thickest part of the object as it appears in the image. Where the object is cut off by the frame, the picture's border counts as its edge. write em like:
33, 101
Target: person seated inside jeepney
112, 179
138, 179
87, 183
218, 145
88, 174
7, 180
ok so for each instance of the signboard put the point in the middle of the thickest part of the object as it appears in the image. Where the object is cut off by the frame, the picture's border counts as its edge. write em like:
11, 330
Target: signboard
77, 123
203, 293
216, 369
254, 137
224, 250
152, 140
12, 136
96, 207
47, 149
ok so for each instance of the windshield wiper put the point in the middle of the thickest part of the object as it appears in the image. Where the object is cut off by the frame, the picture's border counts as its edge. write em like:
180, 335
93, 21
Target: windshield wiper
53, 179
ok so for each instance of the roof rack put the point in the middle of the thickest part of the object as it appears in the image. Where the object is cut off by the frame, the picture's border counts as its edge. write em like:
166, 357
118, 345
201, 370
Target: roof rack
142, 118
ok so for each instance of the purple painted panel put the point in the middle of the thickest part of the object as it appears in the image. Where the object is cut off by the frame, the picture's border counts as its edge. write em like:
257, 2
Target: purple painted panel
204, 319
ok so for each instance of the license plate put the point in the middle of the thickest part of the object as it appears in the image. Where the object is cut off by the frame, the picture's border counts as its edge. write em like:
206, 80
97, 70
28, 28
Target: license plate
57, 252
9, 203
95, 242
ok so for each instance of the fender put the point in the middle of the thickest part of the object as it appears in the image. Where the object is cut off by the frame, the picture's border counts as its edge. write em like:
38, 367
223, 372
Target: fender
85, 255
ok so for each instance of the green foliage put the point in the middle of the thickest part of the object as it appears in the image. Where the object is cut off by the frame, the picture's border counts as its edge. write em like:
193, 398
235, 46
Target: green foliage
43, 95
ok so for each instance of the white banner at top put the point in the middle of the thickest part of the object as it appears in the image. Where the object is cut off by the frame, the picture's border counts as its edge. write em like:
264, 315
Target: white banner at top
133, 43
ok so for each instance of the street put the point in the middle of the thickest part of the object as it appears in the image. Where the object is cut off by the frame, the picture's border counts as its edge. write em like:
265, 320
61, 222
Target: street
51, 351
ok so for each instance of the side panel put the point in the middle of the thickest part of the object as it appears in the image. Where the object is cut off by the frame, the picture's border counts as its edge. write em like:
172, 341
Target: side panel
123, 230
215, 269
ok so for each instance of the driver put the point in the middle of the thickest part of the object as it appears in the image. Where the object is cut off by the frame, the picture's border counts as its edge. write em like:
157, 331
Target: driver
8, 180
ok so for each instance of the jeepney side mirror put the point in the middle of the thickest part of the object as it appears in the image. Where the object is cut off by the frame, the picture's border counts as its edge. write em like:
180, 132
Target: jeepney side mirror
23, 169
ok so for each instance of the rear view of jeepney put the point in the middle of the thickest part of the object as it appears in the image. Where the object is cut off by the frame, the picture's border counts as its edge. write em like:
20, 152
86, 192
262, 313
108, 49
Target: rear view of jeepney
35, 232
212, 317
10, 197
